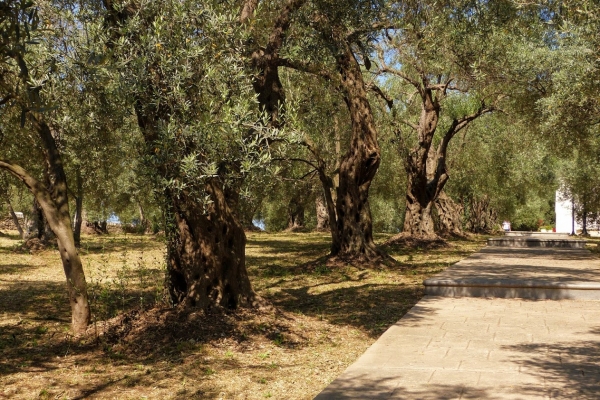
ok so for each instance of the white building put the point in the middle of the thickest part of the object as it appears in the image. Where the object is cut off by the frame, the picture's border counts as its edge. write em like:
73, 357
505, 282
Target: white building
564, 215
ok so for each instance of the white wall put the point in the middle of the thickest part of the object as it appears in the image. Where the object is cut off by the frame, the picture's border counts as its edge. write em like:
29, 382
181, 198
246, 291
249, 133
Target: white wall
564, 216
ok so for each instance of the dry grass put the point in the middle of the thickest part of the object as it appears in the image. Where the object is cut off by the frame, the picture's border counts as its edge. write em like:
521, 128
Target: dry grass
324, 318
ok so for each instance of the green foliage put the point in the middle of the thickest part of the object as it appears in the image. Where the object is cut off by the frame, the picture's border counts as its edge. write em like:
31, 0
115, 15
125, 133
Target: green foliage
518, 174
186, 71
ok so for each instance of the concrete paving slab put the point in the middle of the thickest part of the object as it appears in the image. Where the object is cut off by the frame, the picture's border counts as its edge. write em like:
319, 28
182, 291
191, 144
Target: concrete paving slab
494, 361
546, 347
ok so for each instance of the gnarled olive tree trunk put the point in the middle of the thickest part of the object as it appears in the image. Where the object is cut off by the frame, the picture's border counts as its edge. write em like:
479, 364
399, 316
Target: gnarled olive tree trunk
206, 252
449, 215
481, 217
295, 215
425, 164
321, 213
357, 168
205, 240
425, 179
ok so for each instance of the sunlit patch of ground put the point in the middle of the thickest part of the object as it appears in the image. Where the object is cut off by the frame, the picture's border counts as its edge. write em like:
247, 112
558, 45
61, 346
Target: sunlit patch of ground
323, 319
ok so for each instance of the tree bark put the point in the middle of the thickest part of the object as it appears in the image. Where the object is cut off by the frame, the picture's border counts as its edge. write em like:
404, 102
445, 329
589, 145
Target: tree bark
481, 217
265, 60
15, 219
322, 214
357, 168
78, 210
426, 165
205, 242
35, 225
449, 215
53, 200
425, 178
206, 252
295, 215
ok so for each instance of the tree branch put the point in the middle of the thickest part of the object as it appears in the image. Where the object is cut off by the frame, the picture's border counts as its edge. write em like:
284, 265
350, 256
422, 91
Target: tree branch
6, 99
458, 124
377, 26
385, 69
298, 160
305, 67
280, 27
377, 90
413, 126
248, 10
39, 191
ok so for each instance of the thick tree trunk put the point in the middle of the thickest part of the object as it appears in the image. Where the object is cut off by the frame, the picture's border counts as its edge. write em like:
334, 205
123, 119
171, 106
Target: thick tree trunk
418, 220
329, 190
322, 214
100, 227
584, 218
424, 179
205, 242
449, 215
37, 226
295, 215
15, 219
206, 252
357, 168
425, 165
481, 217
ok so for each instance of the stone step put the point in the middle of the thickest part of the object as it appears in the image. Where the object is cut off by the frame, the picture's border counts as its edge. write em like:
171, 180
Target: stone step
528, 241
511, 288
529, 272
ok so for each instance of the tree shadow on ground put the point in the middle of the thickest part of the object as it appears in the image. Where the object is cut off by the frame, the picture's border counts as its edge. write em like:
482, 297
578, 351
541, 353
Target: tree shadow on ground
36, 299
369, 307
36, 325
106, 245
571, 369
277, 246
9, 269
382, 384
157, 345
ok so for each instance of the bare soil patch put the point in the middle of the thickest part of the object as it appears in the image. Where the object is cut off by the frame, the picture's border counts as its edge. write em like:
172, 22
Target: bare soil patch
323, 317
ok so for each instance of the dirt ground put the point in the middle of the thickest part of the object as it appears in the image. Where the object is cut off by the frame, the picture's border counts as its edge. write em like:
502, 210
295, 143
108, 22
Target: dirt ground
138, 347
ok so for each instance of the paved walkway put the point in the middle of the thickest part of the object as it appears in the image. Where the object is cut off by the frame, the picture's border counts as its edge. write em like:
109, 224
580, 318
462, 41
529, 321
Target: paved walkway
489, 348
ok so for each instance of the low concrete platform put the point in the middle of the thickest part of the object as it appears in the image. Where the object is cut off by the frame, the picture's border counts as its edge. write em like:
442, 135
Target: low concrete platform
532, 273
538, 234
473, 348
534, 241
